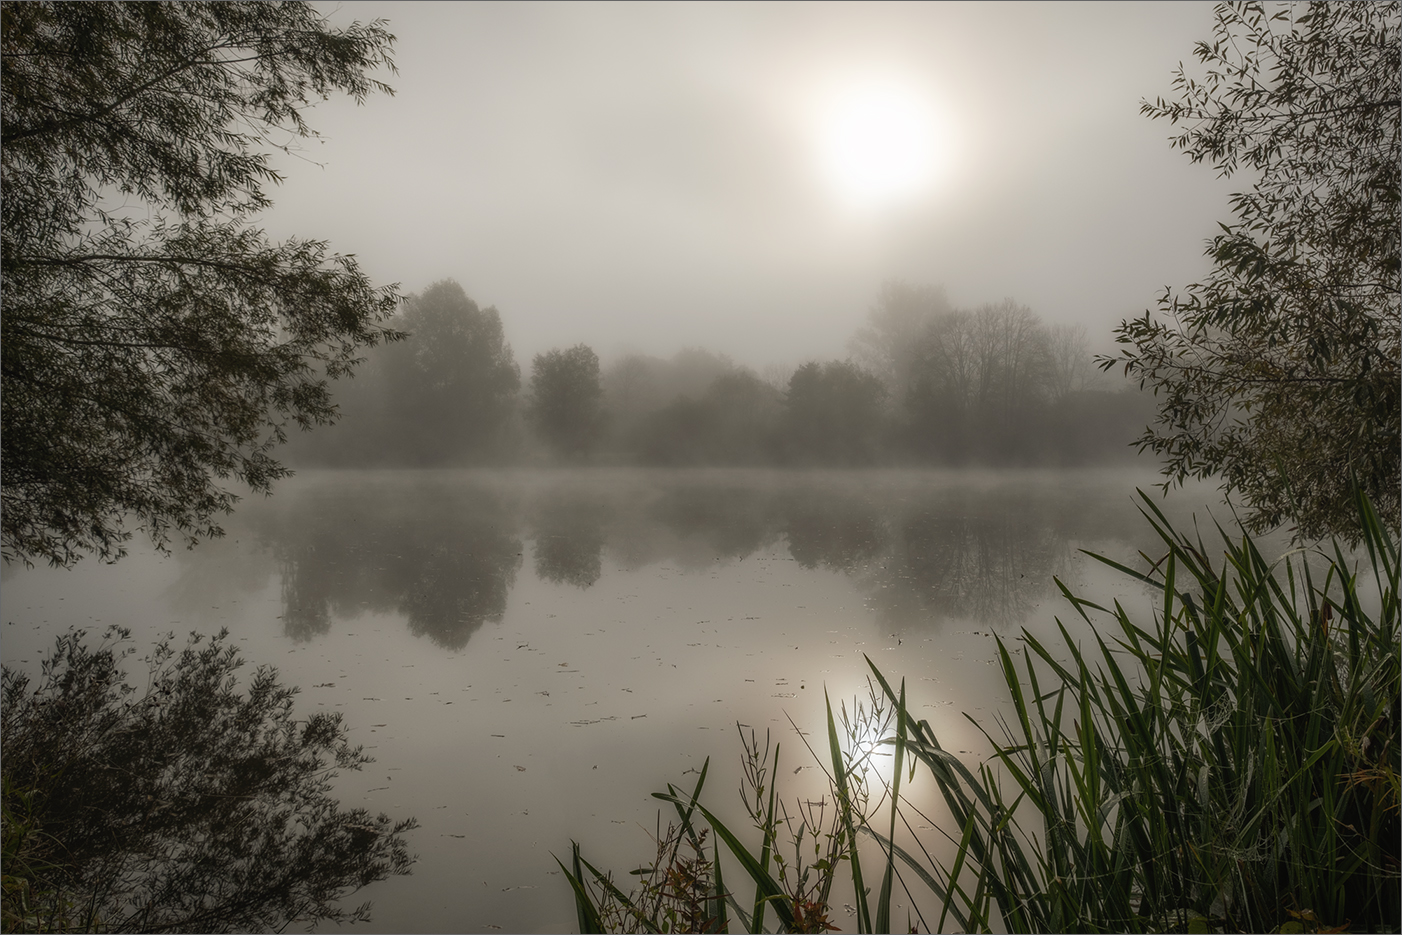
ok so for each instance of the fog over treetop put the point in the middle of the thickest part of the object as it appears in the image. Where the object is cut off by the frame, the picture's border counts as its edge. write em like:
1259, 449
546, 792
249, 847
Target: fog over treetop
647, 178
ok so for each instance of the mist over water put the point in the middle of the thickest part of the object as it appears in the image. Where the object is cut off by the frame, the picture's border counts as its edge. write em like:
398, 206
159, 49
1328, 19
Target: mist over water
528, 654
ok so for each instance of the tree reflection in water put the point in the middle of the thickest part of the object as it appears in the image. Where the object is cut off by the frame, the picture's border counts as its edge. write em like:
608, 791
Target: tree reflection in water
446, 559
718, 520
841, 533
987, 558
569, 538
445, 552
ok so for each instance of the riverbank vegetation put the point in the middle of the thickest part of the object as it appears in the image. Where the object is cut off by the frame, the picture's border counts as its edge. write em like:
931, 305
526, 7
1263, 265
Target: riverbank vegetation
1230, 765
925, 384
189, 806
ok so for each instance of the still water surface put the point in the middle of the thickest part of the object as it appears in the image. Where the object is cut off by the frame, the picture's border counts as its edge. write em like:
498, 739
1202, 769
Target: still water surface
528, 654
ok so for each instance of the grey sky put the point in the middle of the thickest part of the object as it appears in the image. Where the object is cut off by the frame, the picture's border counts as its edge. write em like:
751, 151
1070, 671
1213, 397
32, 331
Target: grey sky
642, 177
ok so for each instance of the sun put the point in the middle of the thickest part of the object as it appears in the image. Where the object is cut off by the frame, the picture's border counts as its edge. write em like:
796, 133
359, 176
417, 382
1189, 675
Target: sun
879, 145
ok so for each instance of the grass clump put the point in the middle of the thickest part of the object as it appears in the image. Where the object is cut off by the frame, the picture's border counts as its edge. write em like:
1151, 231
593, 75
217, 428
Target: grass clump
792, 874
1230, 766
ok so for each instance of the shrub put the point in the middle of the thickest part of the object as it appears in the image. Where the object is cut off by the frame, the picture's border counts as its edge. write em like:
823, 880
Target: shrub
186, 807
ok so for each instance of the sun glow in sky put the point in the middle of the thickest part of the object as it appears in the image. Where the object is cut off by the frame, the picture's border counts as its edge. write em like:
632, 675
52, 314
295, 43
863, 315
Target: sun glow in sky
880, 145
744, 177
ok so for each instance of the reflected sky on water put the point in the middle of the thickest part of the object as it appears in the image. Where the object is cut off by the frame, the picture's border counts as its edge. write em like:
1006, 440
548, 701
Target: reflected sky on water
529, 654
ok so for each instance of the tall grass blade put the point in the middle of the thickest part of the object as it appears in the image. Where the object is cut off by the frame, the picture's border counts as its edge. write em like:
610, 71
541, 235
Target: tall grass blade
773, 892
844, 805
883, 903
586, 913
757, 916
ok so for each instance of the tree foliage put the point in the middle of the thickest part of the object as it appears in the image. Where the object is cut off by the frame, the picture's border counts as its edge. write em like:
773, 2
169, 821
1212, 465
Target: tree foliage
834, 413
888, 345
733, 422
153, 342
565, 400
454, 380
1279, 372
190, 807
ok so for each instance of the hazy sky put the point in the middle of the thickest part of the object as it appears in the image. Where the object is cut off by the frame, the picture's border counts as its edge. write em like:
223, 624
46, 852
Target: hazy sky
648, 177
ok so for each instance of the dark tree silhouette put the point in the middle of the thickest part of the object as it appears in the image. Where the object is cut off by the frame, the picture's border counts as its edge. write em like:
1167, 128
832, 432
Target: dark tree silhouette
190, 807
566, 400
834, 414
154, 344
1279, 372
733, 422
452, 383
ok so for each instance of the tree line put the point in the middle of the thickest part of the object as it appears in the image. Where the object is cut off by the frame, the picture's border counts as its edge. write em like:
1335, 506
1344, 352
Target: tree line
158, 345
925, 383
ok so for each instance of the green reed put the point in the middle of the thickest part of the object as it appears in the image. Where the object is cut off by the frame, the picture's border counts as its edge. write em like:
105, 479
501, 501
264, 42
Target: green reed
1232, 767
800, 853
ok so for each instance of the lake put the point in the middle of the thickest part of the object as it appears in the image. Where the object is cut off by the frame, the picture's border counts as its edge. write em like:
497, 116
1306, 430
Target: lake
528, 654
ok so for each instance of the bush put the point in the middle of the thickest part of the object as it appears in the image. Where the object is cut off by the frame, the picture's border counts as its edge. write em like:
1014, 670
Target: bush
186, 807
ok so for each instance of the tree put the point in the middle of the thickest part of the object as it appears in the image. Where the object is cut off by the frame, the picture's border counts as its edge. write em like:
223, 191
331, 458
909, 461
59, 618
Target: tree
565, 404
192, 807
1279, 372
1069, 361
453, 382
833, 413
977, 381
733, 422
895, 325
154, 343
1013, 360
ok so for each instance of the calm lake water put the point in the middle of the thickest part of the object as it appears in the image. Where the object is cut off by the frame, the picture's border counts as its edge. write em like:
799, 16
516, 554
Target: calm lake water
529, 654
